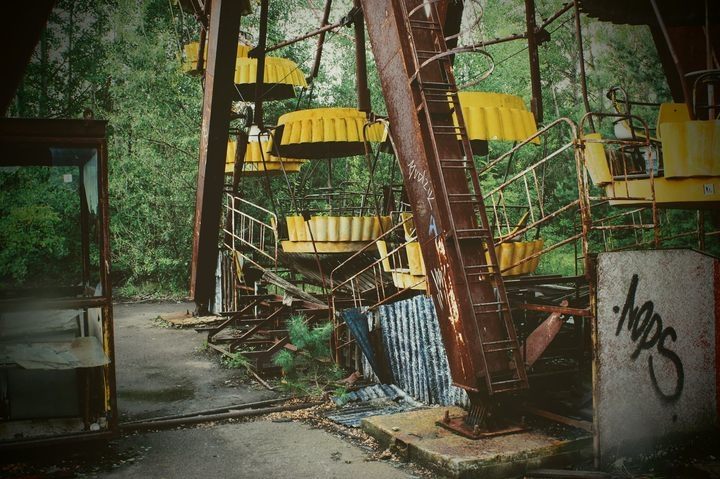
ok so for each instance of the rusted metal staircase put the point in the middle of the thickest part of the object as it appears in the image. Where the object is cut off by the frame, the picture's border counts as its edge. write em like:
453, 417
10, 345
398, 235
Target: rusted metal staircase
438, 98
433, 149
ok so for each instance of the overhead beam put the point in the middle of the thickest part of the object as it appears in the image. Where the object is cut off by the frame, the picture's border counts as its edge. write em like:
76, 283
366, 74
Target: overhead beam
25, 22
222, 46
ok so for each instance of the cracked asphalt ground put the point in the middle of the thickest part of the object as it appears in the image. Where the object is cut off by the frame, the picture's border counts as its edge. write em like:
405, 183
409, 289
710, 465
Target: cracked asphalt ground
162, 371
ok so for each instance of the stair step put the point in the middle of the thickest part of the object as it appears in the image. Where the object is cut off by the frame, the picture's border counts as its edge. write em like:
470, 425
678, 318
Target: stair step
491, 307
471, 233
478, 267
500, 346
462, 134
437, 86
507, 385
425, 24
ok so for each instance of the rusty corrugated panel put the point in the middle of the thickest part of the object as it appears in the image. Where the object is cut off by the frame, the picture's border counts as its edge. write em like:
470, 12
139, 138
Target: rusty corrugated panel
379, 399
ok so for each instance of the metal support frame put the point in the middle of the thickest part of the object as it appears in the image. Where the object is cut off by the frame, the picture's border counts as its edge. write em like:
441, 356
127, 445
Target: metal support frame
536, 103
321, 41
222, 46
39, 136
441, 182
363, 92
675, 57
259, 53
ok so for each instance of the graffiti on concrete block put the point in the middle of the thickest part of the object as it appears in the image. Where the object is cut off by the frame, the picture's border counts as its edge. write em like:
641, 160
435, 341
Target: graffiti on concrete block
646, 331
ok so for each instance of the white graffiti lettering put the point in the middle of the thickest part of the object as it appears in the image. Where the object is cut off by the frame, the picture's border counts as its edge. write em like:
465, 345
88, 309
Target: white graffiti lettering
420, 177
438, 276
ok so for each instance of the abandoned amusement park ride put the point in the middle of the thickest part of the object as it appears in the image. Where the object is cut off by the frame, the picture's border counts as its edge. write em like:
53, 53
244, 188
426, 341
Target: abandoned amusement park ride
441, 280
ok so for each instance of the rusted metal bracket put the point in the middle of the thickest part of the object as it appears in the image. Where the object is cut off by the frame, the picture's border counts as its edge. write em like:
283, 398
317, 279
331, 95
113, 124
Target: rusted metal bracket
460, 425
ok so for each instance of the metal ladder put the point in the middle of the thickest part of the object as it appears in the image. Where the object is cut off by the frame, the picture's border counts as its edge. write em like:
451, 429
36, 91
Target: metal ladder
439, 94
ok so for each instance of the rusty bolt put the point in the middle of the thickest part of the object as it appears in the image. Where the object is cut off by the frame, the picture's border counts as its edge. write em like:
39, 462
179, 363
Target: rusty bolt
446, 419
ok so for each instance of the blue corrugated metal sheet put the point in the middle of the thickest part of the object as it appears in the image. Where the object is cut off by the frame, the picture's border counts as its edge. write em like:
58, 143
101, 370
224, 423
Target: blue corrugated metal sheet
379, 399
416, 354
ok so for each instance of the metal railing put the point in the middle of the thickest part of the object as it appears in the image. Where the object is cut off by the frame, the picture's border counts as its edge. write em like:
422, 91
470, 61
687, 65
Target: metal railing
525, 191
252, 238
376, 274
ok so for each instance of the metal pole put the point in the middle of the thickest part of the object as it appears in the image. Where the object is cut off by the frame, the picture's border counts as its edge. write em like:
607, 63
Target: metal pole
286, 43
222, 51
536, 104
363, 92
676, 59
709, 63
321, 40
260, 55
581, 59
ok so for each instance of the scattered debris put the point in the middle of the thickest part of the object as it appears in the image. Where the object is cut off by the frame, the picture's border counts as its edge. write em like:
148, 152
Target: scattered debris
187, 320
207, 418
565, 474
371, 401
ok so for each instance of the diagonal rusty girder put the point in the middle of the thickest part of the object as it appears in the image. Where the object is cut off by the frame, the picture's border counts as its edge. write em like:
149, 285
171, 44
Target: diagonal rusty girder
413, 143
217, 101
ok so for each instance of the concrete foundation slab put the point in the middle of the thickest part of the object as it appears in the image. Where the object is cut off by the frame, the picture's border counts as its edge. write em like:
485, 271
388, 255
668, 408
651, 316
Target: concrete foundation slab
415, 436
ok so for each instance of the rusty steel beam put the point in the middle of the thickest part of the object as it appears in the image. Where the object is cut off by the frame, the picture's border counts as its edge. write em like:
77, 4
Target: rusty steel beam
543, 335
321, 40
675, 57
319, 31
363, 92
536, 103
259, 53
451, 17
20, 34
581, 60
222, 46
416, 146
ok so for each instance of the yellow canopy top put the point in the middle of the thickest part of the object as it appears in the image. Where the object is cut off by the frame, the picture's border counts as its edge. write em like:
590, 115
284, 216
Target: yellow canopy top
192, 49
280, 79
326, 133
257, 159
496, 116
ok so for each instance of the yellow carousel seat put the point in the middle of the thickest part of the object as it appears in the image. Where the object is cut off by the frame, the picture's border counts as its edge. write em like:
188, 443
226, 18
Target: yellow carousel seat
333, 234
691, 163
495, 117
257, 161
191, 52
691, 148
280, 78
322, 133
408, 267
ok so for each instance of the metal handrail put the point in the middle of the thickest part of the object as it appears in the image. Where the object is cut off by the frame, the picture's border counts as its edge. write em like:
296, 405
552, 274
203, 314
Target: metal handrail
247, 225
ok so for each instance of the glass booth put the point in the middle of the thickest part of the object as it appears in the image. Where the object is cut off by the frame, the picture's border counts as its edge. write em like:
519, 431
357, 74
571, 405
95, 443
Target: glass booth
57, 377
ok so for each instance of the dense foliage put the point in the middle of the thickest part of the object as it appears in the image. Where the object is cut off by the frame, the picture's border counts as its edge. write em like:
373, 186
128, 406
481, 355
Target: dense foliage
121, 59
